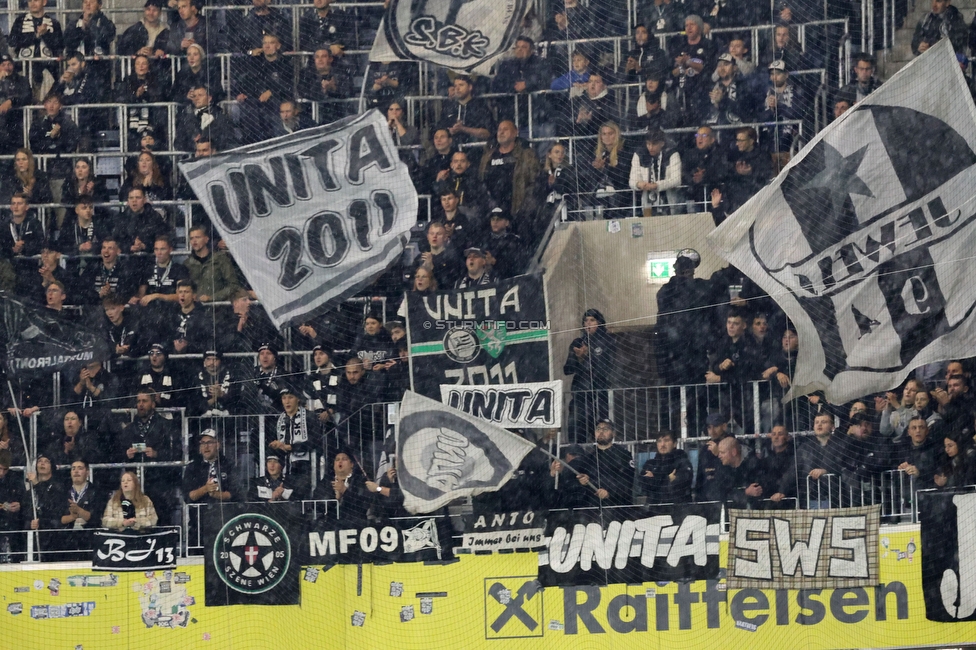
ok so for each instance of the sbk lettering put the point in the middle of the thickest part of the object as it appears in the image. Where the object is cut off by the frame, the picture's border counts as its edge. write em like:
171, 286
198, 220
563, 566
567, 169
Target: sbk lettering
431, 34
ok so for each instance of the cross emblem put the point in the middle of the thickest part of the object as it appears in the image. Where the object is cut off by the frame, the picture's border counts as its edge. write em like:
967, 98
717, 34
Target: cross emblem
251, 553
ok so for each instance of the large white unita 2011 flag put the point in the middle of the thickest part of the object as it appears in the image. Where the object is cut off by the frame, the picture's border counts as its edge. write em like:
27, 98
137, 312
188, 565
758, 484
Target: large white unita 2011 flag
444, 454
313, 216
866, 238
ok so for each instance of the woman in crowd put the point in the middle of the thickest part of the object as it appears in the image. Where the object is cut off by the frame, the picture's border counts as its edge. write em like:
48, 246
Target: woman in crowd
83, 183
129, 508
606, 179
557, 180
141, 87
150, 178
404, 135
959, 467
274, 486
72, 439
424, 283
27, 178
374, 345
197, 70
346, 483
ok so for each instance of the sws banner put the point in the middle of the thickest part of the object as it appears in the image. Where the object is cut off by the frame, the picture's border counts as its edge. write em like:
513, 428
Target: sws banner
493, 532
631, 544
460, 34
528, 406
115, 551
804, 549
313, 216
948, 527
393, 540
249, 553
494, 334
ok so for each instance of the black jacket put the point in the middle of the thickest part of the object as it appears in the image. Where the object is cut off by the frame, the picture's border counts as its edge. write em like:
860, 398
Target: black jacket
660, 488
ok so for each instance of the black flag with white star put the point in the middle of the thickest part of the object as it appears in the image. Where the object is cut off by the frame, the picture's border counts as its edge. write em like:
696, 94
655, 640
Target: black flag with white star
865, 239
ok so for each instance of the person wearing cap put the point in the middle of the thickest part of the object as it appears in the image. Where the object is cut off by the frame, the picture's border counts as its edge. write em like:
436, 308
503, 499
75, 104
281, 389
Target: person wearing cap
13, 500
262, 393
655, 172
478, 272
216, 391
591, 361
441, 257
867, 455
508, 169
323, 384
730, 97
943, 21
148, 36
37, 34
682, 306
274, 486
610, 468
210, 477
466, 117
785, 101
158, 375
346, 483
503, 248
15, 93
667, 477
707, 485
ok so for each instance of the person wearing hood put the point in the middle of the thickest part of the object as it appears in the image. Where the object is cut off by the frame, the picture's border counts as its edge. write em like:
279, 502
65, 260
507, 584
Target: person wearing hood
682, 332
591, 362
943, 21
374, 345
655, 172
645, 57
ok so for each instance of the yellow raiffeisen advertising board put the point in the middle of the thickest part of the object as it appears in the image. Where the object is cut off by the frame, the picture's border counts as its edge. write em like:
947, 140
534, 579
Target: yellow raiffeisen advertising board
476, 602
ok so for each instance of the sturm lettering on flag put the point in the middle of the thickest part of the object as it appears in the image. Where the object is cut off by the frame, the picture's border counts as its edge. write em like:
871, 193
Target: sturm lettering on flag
865, 238
316, 215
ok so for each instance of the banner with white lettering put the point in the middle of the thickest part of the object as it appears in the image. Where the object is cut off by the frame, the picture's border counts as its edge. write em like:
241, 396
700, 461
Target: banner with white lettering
505, 532
43, 341
804, 549
947, 522
865, 238
631, 545
313, 216
130, 551
445, 454
460, 34
249, 553
537, 405
411, 539
486, 335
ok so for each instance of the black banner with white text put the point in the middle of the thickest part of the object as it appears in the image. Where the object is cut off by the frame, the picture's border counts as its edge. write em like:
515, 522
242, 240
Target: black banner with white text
132, 551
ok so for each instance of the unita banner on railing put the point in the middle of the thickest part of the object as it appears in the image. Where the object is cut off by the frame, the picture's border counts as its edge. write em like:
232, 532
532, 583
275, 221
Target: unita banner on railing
529, 406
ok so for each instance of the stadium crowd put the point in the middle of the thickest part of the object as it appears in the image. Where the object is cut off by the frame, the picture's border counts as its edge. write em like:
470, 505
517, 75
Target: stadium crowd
701, 121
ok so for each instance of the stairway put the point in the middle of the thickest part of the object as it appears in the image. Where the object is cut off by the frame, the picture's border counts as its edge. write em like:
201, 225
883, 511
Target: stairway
894, 60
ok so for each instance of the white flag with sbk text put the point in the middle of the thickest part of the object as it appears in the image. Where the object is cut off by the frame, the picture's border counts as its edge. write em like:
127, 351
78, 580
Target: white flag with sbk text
465, 35
444, 454
311, 217
865, 239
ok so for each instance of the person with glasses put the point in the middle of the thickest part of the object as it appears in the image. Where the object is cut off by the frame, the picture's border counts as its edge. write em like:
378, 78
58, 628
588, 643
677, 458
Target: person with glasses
609, 468
210, 477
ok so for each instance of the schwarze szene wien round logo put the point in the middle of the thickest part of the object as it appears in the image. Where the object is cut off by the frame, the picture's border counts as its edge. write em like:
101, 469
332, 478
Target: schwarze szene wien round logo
252, 553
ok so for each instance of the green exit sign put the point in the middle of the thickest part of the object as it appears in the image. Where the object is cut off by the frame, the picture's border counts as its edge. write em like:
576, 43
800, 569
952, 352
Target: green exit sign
660, 267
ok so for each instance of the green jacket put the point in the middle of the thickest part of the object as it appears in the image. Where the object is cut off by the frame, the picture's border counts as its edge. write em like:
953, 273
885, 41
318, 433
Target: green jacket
214, 277
523, 176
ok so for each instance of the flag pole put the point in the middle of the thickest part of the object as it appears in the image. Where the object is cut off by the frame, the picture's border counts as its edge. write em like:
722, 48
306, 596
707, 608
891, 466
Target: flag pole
23, 439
